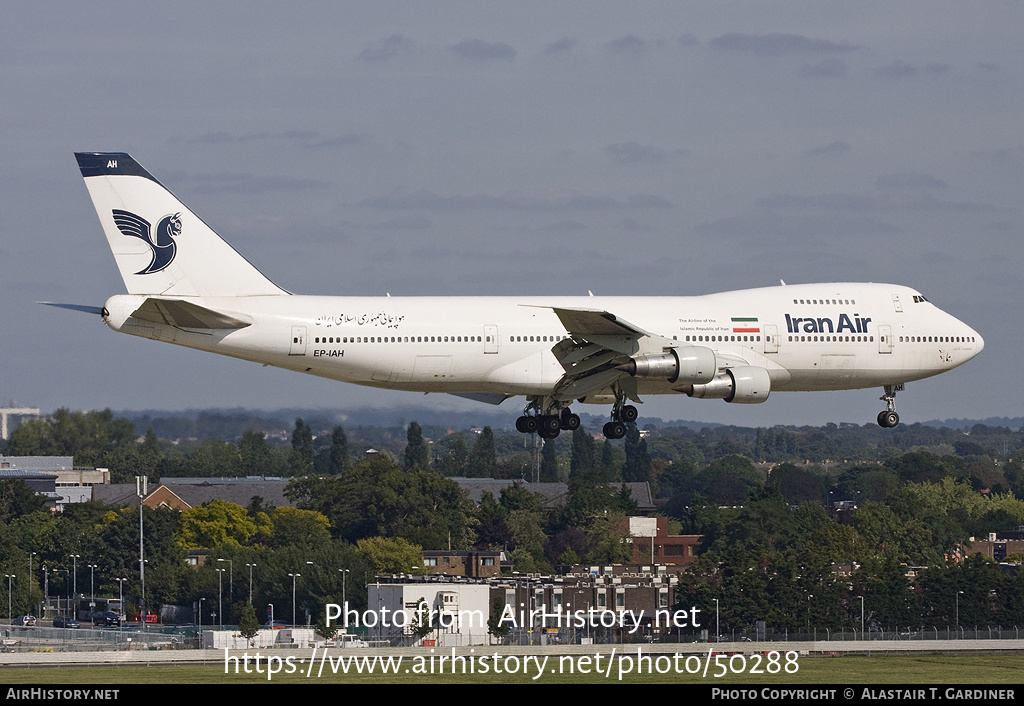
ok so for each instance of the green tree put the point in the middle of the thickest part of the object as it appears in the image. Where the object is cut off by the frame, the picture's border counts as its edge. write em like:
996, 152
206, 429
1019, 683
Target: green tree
339, 452
293, 527
549, 462
483, 460
248, 623
300, 462
390, 555
17, 499
256, 456
215, 524
638, 461
417, 454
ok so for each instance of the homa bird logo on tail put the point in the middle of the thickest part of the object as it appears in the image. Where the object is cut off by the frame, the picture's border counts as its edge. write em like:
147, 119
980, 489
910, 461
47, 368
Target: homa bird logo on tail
159, 239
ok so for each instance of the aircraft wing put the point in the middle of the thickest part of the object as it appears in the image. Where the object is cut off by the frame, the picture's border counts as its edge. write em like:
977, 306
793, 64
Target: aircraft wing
599, 342
186, 315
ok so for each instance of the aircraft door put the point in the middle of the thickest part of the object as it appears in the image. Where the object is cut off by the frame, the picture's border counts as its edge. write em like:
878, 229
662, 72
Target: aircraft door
298, 343
771, 338
884, 338
490, 338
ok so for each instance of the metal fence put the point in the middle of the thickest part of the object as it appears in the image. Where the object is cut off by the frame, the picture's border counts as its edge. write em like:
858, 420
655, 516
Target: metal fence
15, 638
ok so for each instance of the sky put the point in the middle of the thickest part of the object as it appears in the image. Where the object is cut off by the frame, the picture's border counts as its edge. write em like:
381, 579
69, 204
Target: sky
484, 148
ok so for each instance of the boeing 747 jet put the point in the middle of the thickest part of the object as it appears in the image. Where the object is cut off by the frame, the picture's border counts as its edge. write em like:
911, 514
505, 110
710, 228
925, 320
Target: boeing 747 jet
188, 287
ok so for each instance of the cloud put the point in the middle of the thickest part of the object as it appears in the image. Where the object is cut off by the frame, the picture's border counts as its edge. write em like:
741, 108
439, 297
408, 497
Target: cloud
871, 203
634, 153
779, 44
909, 180
826, 68
562, 46
237, 183
296, 138
386, 49
901, 69
400, 223
479, 50
792, 230
832, 149
631, 225
429, 201
566, 226
628, 45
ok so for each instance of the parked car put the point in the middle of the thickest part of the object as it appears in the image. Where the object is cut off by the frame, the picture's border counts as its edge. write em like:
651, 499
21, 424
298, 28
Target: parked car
106, 618
24, 620
64, 622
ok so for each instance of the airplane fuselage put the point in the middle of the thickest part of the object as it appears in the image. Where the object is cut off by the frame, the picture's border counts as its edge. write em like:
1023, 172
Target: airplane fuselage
808, 337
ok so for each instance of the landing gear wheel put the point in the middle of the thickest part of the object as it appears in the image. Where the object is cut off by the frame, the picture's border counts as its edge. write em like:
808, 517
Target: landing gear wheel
570, 421
629, 413
529, 425
550, 425
614, 430
520, 422
888, 419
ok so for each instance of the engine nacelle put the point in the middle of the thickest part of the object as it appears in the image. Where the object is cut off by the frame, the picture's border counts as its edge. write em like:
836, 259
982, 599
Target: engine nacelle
691, 364
743, 385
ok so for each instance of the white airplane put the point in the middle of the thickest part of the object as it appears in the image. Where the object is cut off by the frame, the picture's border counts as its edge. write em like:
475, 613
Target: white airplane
187, 286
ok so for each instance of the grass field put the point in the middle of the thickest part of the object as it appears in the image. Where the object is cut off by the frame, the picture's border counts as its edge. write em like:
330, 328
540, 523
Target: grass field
838, 671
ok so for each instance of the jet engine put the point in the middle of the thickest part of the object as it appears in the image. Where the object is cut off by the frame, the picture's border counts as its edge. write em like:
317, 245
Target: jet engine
743, 384
692, 364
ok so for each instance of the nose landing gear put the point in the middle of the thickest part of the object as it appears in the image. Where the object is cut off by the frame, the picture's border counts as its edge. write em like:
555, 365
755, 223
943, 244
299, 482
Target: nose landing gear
888, 417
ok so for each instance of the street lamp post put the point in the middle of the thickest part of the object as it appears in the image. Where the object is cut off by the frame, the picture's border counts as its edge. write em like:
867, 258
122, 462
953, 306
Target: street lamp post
220, 595
231, 580
250, 581
92, 588
9, 577
861, 616
120, 595
958, 594
718, 629
294, 576
74, 581
344, 599
65, 586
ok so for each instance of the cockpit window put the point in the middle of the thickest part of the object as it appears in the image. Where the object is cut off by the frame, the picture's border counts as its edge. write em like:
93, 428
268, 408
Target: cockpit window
919, 298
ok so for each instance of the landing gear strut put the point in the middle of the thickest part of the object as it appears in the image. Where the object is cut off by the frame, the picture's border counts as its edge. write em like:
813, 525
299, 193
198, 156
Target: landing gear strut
888, 418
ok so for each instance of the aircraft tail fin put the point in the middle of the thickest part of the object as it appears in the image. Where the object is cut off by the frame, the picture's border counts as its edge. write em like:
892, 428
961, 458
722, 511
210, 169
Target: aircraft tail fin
160, 246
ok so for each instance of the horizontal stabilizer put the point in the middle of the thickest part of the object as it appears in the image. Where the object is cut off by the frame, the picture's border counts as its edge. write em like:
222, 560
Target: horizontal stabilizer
182, 314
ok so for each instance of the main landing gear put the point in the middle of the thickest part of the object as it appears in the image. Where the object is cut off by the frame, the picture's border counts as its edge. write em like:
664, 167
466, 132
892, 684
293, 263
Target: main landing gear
546, 426
888, 417
622, 414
